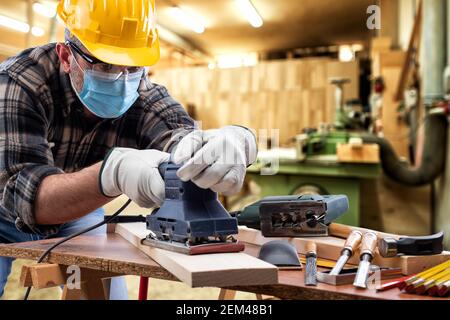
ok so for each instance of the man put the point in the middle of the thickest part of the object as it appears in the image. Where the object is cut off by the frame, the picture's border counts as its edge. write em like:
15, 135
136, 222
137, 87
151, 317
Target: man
80, 124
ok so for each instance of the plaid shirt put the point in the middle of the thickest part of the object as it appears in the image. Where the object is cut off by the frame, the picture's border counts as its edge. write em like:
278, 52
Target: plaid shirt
43, 130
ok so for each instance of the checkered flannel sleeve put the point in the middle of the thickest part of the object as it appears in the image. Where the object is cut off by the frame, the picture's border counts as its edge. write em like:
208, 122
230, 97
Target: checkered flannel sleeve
25, 155
167, 124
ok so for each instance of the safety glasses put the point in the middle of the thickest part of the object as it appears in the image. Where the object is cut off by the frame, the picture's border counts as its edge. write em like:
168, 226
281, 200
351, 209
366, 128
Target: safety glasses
97, 65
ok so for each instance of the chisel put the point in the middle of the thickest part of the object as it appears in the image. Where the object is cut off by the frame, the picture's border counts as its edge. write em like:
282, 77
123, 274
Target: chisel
311, 264
368, 244
352, 242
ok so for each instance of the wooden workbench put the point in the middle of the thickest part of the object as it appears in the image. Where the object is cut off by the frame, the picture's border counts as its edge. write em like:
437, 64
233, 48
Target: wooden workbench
112, 254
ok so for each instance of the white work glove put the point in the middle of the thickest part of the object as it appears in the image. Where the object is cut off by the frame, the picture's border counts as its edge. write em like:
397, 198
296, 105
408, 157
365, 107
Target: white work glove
216, 159
134, 173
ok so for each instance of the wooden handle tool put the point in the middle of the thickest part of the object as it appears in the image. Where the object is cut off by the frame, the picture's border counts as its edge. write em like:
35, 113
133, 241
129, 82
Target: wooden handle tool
352, 242
343, 231
311, 264
368, 245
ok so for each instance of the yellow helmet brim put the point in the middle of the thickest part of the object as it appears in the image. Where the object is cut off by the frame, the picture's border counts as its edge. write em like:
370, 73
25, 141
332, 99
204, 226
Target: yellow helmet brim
132, 57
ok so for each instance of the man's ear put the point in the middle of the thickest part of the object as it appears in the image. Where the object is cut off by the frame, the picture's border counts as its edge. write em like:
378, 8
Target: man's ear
64, 56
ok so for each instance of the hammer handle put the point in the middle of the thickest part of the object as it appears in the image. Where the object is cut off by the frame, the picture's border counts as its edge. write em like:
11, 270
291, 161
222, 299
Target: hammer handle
343, 231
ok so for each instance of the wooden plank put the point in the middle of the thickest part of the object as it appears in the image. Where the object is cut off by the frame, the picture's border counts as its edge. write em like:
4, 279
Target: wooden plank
48, 275
330, 248
217, 270
93, 289
25, 277
392, 58
381, 44
412, 49
227, 294
71, 294
104, 253
366, 153
395, 131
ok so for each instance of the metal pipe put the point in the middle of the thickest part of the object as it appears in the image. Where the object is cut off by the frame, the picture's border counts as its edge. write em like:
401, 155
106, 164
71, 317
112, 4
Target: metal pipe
448, 32
433, 44
447, 69
433, 160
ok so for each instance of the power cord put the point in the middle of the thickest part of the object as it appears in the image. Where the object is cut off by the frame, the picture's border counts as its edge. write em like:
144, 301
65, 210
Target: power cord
105, 221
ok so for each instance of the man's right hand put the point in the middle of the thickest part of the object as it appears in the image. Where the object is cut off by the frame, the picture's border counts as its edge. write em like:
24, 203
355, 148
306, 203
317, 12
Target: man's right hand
134, 173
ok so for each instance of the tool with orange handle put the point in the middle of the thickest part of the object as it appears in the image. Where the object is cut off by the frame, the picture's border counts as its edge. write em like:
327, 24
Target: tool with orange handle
343, 231
311, 264
368, 245
352, 242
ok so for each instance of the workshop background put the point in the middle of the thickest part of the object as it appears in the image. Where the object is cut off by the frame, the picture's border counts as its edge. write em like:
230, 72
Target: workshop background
348, 86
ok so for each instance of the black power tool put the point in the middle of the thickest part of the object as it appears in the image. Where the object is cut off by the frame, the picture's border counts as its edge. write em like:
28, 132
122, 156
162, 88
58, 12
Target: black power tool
293, 216
191, 220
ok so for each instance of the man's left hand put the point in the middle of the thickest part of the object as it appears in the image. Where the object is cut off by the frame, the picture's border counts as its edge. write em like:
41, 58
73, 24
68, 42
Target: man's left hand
216, 159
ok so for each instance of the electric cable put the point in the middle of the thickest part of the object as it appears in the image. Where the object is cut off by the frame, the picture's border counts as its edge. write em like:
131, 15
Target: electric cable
99, 224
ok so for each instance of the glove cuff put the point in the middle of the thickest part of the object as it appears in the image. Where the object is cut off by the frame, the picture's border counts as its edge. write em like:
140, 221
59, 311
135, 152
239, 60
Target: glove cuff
250, 144
108, 182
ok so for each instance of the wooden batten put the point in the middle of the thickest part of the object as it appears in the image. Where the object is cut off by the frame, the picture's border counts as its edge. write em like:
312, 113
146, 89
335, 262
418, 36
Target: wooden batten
207, 270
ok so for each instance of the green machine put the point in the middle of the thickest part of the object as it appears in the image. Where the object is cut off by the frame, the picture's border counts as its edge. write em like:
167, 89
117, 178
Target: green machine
320, 177
312, 168
325, 143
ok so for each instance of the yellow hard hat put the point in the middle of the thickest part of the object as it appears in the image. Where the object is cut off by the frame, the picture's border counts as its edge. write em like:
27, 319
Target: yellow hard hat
120, 32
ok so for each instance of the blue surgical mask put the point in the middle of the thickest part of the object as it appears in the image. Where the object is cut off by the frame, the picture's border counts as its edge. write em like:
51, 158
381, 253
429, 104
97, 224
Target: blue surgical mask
107, 97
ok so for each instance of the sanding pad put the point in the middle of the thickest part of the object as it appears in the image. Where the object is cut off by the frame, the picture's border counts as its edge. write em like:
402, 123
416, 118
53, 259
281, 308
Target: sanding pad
225, 247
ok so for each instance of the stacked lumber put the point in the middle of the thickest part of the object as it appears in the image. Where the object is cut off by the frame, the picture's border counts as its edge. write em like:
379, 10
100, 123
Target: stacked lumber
388, 64
288, 94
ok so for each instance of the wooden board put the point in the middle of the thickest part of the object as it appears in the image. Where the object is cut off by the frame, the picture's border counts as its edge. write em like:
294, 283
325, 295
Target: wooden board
216, 270
381, 43
395, 131
330, 248
288, 95
366, 153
